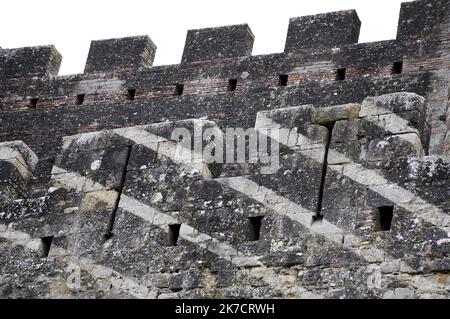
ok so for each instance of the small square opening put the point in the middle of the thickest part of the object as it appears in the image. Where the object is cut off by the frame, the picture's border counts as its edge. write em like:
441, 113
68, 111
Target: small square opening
232, 84
215, 169
397, 67
283, 80
130, 94
254, 228
174, 234
384, 218
80, 99
33, 103
340, 74
179, 89
44, 246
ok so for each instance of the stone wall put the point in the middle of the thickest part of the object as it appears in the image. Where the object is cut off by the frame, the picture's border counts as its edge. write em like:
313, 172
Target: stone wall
96, 199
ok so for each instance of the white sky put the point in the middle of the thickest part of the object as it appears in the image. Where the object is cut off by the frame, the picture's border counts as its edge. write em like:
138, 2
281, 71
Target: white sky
70, 26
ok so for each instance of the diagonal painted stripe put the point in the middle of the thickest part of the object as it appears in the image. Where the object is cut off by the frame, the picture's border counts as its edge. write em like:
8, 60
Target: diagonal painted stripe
397, 194
295, 212
287, 208
119, 282
390, 122
165, 147
188, 232
280, 204
374, 181
290, 209
162, 220
398, 126
140, 136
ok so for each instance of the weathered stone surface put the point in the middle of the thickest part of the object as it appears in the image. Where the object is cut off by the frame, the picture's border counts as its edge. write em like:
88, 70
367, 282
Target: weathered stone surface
100, 199
328, 115
17, 165
115, 54
29, 62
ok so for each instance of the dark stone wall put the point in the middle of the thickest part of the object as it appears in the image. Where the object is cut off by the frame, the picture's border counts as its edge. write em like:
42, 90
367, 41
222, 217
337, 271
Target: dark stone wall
218, 43
106, 180
332, 29
116, 54
422, 47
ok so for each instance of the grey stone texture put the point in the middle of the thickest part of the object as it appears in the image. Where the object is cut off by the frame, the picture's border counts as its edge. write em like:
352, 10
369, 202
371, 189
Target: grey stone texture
112, 54
331, 29
97, 201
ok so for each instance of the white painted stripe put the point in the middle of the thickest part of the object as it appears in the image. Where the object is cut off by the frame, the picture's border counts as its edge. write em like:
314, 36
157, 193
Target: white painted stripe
267, 197
189, 233
392, 123
387, 120
283, 206
72, 180
15, 158
118, 281
377, 183
157, 218
270, 198
20, 151
19, 238
162, 220
205, 241
278, 203
400, 128
165, 147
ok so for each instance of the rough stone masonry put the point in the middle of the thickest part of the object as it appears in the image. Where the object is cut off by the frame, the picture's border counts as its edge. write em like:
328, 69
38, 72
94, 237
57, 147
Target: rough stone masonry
96, 203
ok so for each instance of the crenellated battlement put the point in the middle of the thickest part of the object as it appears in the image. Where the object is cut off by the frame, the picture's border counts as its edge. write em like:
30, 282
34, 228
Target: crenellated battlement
327, 30
421, 19
29, 62
106, 189
117, 54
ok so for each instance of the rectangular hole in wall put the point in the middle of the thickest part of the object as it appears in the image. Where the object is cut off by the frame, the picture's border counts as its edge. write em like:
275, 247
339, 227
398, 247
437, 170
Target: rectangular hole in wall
130, 94
179, 89
384, 218
33, 103
340, 74
44, 246
80, 99
397, 67
283, 80
174, 234
254, 228
232, 84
